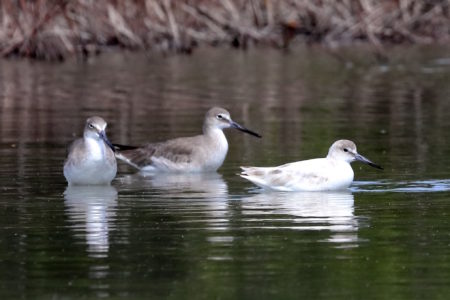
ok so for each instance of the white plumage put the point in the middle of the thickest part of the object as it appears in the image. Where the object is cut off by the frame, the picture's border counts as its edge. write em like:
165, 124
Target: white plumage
321, 174
91, 160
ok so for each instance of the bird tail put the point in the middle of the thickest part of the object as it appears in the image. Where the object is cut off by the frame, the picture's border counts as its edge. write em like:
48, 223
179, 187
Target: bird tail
119, 147
126, 159
122, 156
243, 171
255, 175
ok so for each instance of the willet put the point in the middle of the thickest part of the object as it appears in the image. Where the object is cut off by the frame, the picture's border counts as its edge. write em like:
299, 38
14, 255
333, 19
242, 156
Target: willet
91, 160
321, 174
201, 153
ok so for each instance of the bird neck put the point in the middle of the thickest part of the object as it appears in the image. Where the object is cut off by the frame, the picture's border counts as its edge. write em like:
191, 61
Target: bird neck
96, 147
338, 160
216, 135
211, 130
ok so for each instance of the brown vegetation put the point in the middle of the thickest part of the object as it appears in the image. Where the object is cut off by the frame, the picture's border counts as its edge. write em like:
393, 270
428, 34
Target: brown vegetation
55, 29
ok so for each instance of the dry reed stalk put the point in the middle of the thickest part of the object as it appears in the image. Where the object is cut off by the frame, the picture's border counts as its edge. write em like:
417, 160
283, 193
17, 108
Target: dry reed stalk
55, 29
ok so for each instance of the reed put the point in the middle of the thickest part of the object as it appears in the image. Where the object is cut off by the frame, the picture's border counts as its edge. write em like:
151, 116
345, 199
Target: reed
56, 29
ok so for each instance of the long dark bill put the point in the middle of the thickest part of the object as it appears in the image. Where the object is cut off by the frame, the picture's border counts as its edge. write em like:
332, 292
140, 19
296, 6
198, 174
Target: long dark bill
107, 142
367, 161
243, 129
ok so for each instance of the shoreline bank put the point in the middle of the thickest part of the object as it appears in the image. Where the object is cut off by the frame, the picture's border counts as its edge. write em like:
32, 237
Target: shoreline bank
56, 30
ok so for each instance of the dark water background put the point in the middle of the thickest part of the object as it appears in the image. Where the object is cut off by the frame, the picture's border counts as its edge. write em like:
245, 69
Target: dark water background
217, 236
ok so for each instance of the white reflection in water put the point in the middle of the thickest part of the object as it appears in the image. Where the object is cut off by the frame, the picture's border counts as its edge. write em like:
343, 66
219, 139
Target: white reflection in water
206, 193
192, 185
205, 185
333, 211
91, 210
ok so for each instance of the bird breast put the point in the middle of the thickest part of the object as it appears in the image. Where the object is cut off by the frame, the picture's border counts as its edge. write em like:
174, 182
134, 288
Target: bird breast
216, 149
96, 149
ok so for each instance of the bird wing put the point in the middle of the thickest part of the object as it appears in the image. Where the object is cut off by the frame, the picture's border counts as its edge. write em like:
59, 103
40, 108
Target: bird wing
164, 155
74, 150
302, 175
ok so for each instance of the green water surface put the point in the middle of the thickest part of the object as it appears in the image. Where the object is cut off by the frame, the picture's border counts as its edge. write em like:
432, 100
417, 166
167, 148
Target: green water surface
216, 236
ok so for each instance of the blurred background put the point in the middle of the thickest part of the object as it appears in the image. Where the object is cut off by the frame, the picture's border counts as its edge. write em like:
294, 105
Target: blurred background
57, 29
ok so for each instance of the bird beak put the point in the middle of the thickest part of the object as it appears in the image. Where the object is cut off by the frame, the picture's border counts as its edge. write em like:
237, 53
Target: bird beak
243, 129
362, 159
103, 136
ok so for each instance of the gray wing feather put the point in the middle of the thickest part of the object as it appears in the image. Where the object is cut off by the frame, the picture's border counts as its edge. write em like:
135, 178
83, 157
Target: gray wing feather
175, 151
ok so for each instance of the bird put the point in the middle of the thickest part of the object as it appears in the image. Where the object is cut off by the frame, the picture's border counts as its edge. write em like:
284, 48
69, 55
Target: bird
202, 153
333, 172
91, 159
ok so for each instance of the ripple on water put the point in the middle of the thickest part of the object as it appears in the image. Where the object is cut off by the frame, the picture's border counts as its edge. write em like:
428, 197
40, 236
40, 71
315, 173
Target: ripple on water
418, 186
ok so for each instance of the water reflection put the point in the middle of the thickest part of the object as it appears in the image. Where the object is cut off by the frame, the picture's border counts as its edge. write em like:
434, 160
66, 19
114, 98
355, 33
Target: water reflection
206, 185
333, 211
91, 210
204, 194
388, 186
179, 233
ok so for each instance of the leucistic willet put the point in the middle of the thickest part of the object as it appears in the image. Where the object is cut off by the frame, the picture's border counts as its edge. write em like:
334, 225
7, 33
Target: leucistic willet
91, 160
201, 153
321, 174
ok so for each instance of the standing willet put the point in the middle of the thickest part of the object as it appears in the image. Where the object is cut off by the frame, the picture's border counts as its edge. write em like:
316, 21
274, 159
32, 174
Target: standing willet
201, 153
321, 174
91, 160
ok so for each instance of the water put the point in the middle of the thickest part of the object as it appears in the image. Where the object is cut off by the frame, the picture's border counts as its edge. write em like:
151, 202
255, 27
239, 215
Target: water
217, 236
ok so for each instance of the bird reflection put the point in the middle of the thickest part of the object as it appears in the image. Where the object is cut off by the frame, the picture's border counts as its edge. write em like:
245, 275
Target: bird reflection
206, 194
91, 209
192, 185
333, 211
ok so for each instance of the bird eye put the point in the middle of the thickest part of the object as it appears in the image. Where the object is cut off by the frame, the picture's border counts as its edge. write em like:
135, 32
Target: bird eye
91, 126
345, 150
219, 117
